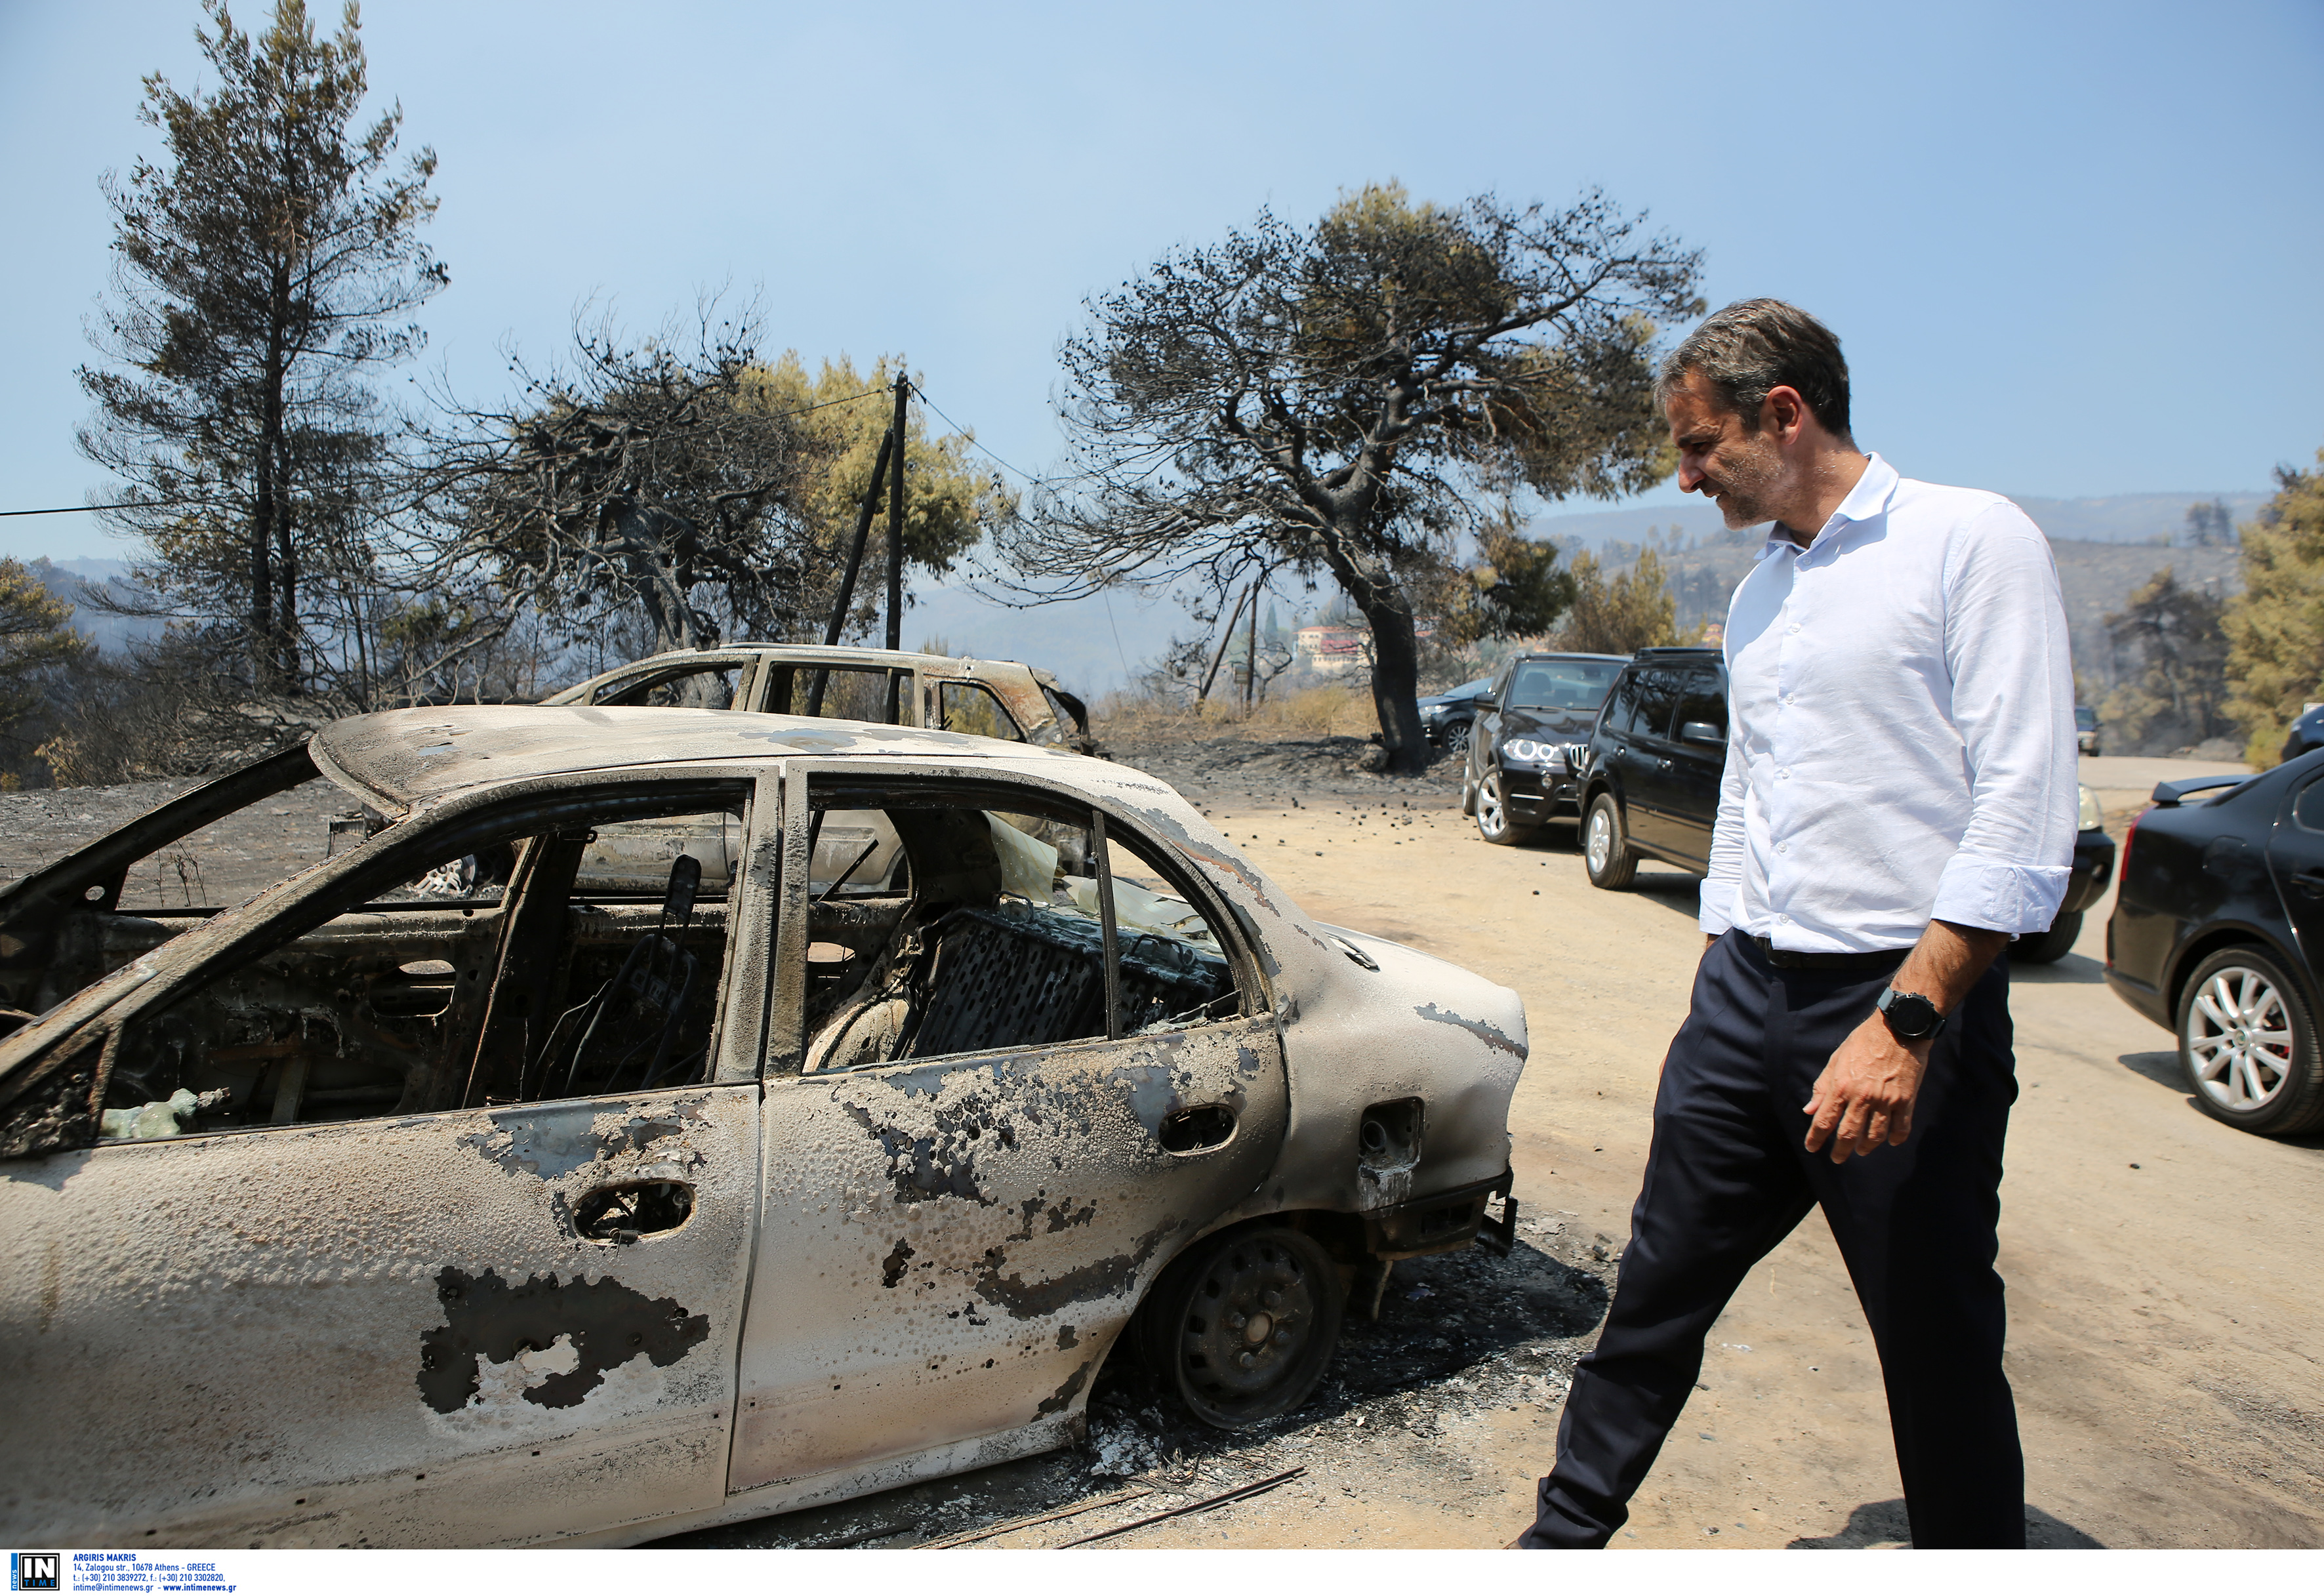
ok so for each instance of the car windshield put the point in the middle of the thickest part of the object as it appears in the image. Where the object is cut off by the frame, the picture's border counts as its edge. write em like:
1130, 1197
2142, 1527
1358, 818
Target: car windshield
1562, 684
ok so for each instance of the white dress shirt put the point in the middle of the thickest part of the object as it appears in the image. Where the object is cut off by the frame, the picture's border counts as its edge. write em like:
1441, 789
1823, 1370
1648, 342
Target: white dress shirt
1901, 727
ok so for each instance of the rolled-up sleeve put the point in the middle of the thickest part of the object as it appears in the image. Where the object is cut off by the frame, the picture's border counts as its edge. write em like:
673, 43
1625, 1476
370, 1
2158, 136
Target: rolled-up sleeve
2013, 689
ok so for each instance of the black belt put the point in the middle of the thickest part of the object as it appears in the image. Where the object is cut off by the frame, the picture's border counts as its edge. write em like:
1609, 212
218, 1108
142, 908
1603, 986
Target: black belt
1868, 964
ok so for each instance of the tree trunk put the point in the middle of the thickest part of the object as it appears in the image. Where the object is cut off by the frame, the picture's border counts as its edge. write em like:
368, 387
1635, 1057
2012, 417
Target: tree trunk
265, 660
1395, 686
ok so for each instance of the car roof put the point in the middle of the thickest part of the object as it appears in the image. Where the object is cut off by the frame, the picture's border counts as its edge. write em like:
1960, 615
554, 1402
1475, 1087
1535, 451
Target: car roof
400, 757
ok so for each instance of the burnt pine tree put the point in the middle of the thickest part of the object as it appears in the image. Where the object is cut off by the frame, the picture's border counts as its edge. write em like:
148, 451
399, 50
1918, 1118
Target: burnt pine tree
260, 271
1342, 397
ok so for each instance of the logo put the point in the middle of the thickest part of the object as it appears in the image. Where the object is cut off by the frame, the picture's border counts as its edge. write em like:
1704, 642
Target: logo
36, 1570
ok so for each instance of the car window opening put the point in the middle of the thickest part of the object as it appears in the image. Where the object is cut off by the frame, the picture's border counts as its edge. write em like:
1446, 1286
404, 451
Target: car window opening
575, 960
939, 927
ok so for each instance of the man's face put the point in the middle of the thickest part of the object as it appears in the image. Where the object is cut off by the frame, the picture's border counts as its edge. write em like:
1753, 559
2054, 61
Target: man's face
1740, 470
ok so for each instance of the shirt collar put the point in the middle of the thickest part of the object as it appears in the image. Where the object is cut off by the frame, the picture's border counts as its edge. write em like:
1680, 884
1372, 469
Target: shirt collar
1868, 498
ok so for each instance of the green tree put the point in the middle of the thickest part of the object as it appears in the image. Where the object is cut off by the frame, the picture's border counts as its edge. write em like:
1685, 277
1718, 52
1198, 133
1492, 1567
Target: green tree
2275, 630
261, 271
1341, 399
949, 503
37, 644
2170, 668
1621, 614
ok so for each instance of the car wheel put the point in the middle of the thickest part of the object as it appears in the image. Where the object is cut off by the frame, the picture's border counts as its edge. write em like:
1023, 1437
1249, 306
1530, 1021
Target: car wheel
2247, 1045
2047, 947
1456, 737
1495, 824
1605, 850
1242, 1327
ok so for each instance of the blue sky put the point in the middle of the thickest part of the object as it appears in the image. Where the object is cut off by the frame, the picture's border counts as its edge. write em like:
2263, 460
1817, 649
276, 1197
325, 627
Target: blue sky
2071, 249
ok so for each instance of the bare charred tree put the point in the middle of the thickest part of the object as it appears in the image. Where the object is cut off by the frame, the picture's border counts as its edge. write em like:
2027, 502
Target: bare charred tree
643, 481
261, 274
1339, 399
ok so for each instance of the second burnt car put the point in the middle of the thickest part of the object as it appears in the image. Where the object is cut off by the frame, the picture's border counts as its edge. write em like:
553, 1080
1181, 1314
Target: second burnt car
1002, 698
673, 1117
1517, 776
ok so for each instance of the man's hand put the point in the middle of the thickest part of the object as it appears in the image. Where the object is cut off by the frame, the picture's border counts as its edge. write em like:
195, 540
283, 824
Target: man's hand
1864, 1098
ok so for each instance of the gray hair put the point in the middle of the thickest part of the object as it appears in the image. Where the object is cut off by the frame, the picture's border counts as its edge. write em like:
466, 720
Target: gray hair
1755, 346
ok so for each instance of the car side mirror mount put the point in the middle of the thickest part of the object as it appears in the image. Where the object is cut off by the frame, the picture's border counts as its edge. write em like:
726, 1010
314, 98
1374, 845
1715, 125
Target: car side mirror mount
1702, 732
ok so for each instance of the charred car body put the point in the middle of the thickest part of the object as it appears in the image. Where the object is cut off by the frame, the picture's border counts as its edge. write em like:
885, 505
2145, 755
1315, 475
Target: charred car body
982, 697
674, 1116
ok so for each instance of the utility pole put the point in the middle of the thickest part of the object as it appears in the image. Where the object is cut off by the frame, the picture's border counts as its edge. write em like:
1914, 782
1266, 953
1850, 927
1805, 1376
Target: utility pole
895, 542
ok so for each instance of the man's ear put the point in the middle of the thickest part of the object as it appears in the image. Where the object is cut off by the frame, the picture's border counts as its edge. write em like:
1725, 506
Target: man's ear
1784, 411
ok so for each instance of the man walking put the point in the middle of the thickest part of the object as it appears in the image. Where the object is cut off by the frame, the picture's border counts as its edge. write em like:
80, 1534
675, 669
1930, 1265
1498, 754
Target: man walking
1898, 802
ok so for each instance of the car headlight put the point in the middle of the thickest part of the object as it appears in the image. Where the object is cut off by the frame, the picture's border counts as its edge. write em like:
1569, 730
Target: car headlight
2091, 814
1527, 751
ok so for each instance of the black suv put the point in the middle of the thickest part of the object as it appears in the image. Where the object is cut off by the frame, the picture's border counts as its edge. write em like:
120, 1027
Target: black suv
1537, 707
1649, 785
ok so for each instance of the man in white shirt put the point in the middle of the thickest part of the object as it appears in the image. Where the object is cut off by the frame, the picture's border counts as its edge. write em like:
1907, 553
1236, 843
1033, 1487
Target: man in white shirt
1898, 802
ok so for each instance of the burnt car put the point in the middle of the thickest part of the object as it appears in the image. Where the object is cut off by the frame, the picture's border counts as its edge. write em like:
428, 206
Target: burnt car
1517, 776
1447, 718
673, 1117
1650, 786
2216, 923
982, 697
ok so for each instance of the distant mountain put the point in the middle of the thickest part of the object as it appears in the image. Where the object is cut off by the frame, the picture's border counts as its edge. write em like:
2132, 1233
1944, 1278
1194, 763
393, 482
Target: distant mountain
2128, 518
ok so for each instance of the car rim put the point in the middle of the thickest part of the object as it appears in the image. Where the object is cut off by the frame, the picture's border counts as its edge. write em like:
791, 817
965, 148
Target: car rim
1249, 1324
2239, 1035
1488, 806
1456, 741
1601, 839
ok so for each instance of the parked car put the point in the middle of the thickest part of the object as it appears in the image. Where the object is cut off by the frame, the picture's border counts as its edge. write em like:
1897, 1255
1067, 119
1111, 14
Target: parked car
673, 1117
2086, 730
1650, 782
2093, 869
1517, 776
984, 697
2215, 934
1446, 718
1654, 758
2306, 735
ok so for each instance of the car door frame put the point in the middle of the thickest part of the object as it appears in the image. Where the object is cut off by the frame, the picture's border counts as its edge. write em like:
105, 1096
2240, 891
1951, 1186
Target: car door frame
1058, 1324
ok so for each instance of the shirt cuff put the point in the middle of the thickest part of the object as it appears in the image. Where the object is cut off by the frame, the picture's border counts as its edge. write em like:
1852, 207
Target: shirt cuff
1992, 896
1717, 898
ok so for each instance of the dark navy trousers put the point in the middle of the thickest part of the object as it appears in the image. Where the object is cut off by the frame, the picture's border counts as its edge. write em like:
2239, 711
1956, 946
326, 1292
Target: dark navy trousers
1726, 1179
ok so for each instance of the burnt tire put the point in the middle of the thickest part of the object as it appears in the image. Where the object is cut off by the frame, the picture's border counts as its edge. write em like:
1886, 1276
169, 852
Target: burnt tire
1242, 1327
2047, 947
2247, 1045
1606, 855
1495, 824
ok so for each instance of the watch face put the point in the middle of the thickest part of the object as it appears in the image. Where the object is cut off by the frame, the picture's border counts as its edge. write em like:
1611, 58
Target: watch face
1909, 1014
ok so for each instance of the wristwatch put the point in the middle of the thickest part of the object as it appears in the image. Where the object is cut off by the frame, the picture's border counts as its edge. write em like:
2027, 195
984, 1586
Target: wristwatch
1911, 1016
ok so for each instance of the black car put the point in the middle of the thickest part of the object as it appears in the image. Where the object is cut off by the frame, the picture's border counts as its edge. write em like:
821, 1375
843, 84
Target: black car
1650, 779
1535, 707
2306, 735
1649, 788
1446, 718
2217, 927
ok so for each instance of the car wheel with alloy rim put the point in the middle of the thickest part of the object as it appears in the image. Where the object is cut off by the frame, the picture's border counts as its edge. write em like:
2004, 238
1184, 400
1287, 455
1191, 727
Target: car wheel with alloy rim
1606, 853
1456, 737
2247, 1045
1495, 824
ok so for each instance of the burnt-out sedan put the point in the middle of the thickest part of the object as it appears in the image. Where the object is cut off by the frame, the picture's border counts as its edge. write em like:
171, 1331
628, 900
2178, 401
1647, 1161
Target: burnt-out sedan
673, 1117
2215, 935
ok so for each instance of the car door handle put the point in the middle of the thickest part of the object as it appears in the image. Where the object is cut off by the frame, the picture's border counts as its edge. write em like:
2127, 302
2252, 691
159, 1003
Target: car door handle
1198, 1129
620, 1214
2310, 881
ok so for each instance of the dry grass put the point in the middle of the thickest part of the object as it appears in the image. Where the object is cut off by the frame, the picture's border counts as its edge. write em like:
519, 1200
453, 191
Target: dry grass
1329, 711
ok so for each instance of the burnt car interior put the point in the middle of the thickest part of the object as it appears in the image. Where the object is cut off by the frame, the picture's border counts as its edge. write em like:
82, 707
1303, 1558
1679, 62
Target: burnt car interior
564, 950
682, 686
939, 927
